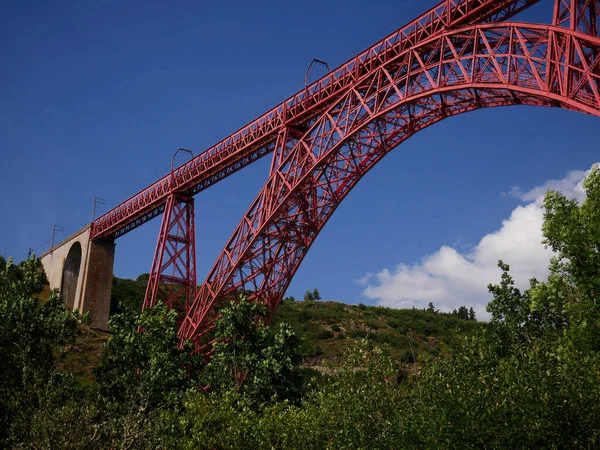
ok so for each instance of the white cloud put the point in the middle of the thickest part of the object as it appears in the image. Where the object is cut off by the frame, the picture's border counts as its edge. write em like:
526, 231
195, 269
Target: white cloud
450, 278
571, 185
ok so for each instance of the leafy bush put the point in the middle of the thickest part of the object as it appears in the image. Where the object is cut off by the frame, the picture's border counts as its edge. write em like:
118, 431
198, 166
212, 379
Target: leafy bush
250, 359
529, 379
142, 363
322, 334
33, 333
304, 316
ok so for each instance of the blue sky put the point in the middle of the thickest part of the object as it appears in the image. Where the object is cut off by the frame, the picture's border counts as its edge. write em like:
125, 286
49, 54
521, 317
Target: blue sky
95, 97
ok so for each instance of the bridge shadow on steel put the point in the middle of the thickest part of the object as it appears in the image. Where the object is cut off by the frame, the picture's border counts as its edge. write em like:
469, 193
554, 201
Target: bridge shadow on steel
460, 56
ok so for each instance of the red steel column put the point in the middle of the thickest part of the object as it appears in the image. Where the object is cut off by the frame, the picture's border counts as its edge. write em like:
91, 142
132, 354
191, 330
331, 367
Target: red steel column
379, 113
578, 15
173, 275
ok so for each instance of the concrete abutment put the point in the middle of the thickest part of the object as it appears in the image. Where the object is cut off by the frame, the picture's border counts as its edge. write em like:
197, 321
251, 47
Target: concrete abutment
83, 270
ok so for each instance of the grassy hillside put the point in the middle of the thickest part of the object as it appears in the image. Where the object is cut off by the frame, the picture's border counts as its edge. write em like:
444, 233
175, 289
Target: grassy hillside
327, 327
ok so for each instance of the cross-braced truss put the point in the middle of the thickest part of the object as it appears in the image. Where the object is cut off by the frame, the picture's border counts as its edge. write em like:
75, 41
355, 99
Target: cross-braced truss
258, 138
578, 15
451, 73
172, 278
459, 56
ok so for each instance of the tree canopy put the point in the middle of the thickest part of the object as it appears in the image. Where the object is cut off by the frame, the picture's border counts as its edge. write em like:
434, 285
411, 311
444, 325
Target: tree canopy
529, 379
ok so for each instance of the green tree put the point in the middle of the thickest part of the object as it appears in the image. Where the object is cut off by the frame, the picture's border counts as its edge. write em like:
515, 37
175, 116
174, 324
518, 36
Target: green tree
142, 365
316, 295
308, 296
510, 309
463, 313
431, 308
572, 291
568, 299
250, 359
32, 335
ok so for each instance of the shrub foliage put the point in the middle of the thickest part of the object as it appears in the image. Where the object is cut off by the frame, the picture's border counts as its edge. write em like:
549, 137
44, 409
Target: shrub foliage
531, 379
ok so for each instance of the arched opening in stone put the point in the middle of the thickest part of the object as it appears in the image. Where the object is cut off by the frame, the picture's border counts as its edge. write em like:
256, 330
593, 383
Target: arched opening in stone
70, 275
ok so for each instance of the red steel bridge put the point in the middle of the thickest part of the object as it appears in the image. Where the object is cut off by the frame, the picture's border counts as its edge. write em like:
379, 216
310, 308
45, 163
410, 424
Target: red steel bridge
459, 56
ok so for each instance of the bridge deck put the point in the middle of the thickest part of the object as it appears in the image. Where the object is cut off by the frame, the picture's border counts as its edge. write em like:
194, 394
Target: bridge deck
258, 138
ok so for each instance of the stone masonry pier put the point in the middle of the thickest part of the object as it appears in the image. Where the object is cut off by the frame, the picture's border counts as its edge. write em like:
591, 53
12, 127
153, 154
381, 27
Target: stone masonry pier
83, 271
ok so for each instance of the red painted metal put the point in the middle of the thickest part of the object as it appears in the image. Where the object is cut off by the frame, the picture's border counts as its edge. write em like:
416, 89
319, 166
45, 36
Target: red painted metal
258, 138
449, 73
173, 275
578, 15
453, 59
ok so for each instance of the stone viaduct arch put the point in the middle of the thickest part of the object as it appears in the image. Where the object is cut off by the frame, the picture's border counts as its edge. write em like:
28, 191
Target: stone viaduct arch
83, 271
70, 275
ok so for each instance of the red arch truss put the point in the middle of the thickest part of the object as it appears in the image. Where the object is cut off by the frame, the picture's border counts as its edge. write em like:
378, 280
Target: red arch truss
314, 168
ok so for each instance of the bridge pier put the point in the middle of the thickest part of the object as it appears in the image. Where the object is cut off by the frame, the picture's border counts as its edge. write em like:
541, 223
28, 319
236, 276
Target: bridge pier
83, 271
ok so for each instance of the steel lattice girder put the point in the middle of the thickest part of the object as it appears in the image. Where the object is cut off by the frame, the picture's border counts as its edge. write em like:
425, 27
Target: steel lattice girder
258, 138
173, 275
578, 15
459, 71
